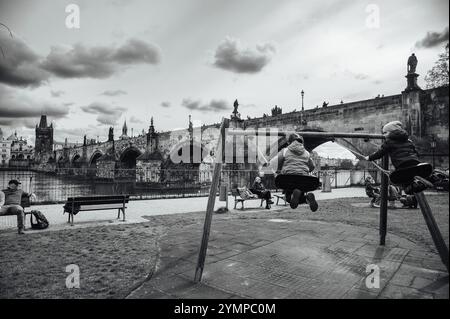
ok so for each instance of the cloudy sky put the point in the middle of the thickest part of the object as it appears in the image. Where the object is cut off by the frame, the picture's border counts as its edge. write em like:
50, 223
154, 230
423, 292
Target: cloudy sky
171, 58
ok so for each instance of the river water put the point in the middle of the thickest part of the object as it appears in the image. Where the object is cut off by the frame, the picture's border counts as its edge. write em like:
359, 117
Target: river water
50, 188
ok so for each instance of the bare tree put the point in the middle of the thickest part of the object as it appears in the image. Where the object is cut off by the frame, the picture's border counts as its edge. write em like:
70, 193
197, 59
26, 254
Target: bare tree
439, 74
10, 33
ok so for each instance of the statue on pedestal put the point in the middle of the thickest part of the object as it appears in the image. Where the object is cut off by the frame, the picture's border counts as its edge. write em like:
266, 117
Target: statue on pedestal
412, 64
412, 75
236, 114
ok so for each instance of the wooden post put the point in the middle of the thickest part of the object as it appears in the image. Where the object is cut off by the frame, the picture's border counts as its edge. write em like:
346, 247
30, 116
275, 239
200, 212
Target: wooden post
384, 200
439, 242
211, 202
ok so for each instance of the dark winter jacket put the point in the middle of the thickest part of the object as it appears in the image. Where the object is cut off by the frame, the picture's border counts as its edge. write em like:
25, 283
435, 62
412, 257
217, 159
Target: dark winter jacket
293, 160
399, 147
258, 186
13, 197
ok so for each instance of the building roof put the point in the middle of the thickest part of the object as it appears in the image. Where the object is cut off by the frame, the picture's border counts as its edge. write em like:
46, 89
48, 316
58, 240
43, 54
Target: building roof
13, 137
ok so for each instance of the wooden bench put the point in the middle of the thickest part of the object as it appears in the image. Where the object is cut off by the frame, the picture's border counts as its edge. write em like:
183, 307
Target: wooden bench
282, 196
238, 198
74, 205
25, 202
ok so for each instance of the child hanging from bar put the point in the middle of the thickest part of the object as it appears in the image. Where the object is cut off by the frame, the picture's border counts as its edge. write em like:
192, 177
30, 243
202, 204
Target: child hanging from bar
295, 160
401, 151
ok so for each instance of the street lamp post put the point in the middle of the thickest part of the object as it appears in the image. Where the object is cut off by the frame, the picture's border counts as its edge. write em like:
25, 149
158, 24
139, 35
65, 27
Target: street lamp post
433, 147
303, 94
302, 120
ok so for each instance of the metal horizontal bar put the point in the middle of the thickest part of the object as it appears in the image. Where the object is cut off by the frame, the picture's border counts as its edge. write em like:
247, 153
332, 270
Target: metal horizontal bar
305, 134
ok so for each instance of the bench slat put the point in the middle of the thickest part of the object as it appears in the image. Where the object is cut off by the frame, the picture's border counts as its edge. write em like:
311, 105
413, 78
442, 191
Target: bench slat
100, 198
77, 204
105, 206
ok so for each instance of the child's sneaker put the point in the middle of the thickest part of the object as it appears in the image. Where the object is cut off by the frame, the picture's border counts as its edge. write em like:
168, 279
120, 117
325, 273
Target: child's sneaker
295, 199
311, 200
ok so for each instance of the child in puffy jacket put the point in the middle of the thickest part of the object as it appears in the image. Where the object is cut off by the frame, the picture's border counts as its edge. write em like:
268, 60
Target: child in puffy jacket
399, 147
296, 160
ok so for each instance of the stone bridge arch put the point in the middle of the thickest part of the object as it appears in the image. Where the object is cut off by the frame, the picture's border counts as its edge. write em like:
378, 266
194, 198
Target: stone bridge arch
94, 158
128, 157
75, 161
354, 145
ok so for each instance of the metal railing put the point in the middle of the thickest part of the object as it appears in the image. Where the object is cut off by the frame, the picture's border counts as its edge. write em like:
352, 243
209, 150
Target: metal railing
56, 187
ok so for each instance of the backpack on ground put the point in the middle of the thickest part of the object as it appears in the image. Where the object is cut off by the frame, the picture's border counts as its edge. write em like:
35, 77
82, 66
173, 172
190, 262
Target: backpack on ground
41, 220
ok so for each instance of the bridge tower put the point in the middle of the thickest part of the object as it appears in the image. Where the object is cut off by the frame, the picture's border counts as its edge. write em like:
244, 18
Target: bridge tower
43, 138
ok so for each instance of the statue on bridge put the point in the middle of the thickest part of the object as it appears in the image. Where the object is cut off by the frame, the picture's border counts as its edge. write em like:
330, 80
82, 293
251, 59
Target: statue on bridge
412, 64
412, 75
236, 114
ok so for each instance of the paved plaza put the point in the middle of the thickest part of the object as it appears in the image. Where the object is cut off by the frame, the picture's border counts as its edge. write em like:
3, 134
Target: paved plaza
264, 257
255, 253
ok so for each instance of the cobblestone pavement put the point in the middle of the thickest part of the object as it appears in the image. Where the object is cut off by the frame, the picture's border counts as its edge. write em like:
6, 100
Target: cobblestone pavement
255, 253
259, 254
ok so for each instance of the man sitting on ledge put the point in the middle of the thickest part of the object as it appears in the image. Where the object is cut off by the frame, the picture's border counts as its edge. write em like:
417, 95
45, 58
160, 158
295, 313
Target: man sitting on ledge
10, 200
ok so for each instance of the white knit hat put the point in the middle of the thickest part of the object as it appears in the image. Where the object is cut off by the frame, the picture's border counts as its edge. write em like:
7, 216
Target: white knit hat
392, 126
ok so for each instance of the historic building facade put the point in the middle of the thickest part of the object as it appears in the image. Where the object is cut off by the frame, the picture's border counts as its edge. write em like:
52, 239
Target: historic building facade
5, 150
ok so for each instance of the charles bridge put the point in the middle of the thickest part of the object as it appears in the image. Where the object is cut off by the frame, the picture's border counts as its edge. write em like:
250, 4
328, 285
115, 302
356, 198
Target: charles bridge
424, 113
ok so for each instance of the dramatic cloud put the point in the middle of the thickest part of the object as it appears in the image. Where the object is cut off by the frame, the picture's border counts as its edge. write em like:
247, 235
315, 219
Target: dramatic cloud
136, 51
21, 111
57, 93
165, 104
19, 64
98, 62
213, 106
231, 57
20, 123
15, 104
114, 92
433, 39
106, 114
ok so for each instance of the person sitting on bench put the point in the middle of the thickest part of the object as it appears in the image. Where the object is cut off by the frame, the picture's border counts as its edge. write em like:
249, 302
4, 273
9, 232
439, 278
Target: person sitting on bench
259, 189
296, 160
394, 193
10, 199
400, 149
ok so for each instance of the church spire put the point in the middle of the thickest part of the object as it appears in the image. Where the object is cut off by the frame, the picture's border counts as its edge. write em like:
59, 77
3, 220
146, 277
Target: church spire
151, 129
124, 128
43, 122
